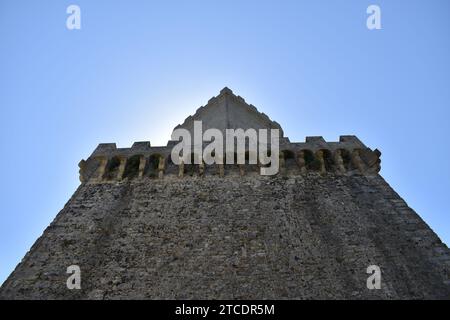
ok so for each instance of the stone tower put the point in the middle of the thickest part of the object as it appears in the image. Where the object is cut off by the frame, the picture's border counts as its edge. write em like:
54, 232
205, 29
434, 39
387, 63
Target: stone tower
139, 226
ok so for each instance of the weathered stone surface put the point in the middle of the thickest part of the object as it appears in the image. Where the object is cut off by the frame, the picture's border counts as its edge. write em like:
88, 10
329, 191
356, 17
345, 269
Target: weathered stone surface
302, 237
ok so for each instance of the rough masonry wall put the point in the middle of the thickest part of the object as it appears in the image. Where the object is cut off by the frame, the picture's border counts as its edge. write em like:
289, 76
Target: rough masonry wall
300, 237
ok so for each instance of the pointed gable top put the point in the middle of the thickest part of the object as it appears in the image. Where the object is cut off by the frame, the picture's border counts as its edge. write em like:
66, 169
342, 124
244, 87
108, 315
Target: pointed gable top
228, 111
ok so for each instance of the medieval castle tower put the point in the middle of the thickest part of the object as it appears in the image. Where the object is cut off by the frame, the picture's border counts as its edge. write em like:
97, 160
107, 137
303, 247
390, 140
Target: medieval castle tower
140, 226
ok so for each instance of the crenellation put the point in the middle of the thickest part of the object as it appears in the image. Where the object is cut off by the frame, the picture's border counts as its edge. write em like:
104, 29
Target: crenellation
240, 99
105, 148
315, 140
315, 154
213, 100
347, 156
352, 139
141, 146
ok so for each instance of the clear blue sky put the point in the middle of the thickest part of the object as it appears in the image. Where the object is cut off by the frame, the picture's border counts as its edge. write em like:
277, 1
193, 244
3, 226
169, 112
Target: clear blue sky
138, 68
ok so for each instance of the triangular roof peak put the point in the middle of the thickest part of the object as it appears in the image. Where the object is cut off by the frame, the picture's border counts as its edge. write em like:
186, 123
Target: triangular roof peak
229, 111
226, 90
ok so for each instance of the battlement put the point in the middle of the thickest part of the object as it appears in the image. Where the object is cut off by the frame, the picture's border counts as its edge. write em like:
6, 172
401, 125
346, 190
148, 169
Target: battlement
228, 111
348, 156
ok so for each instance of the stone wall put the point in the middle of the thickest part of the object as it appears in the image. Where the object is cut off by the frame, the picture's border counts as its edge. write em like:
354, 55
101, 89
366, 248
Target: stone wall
308, 236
